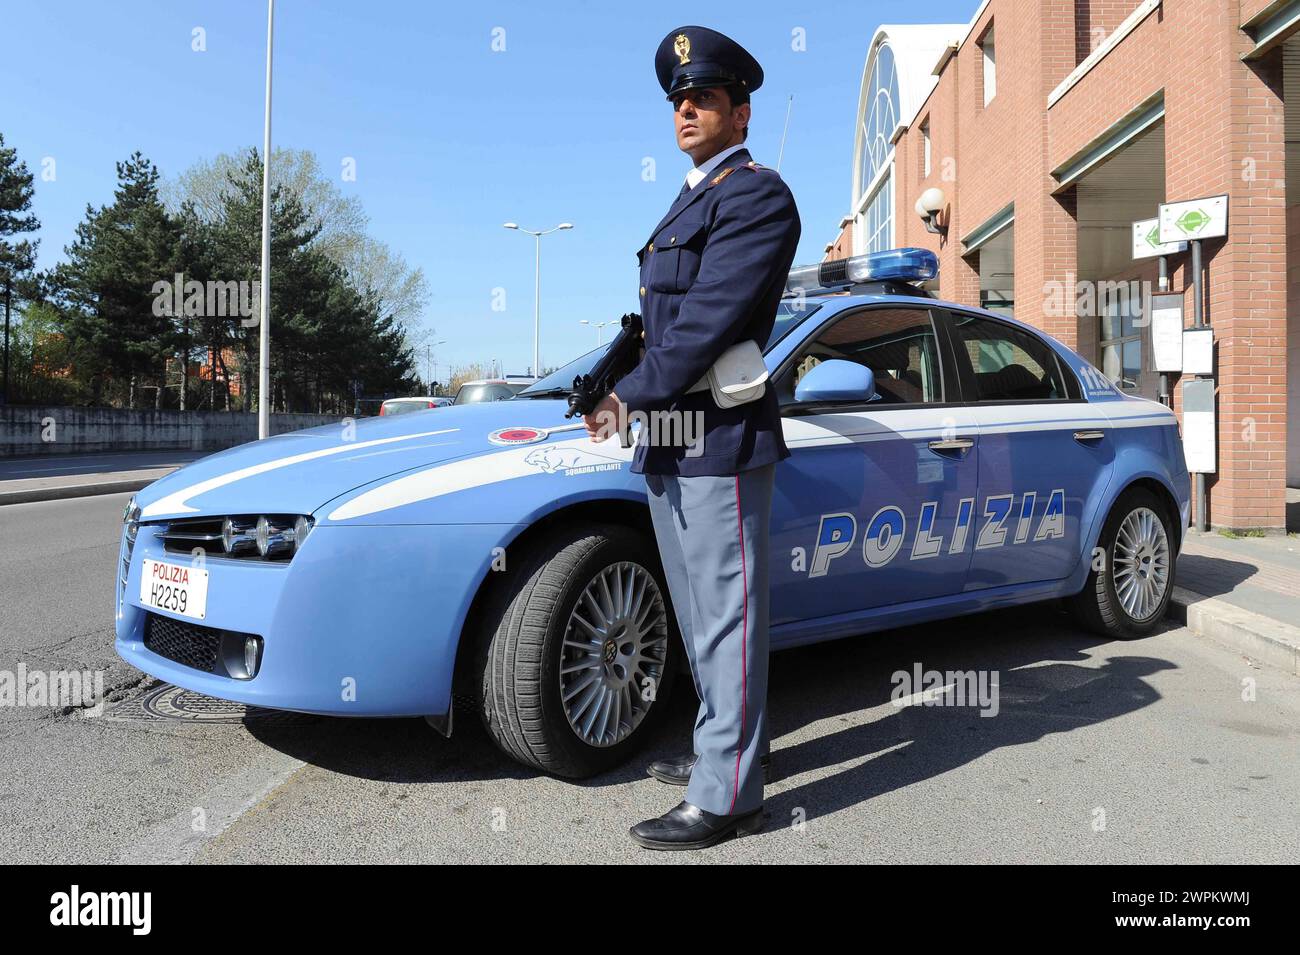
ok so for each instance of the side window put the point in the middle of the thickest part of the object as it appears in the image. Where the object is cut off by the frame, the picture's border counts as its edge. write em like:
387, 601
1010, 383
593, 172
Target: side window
897, 344
1006, 363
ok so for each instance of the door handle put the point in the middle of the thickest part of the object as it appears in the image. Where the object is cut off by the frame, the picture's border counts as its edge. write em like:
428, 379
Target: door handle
1092, 435
952, 444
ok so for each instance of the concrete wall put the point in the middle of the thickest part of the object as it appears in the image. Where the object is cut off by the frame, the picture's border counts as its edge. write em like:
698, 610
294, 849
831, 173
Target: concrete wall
28, 430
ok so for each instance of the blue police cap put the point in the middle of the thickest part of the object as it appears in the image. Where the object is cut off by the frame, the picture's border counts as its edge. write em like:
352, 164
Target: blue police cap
694, 57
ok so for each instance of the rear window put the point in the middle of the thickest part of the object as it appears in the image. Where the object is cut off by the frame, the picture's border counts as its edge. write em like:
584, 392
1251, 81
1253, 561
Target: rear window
474, 394
403, 407
1007, 363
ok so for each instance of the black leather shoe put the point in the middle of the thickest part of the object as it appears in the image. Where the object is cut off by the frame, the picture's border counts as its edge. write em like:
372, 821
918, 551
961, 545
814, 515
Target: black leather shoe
690, 827
676, 770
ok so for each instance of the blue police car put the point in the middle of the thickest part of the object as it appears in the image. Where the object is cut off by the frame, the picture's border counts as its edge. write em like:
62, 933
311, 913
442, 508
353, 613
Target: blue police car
945, 460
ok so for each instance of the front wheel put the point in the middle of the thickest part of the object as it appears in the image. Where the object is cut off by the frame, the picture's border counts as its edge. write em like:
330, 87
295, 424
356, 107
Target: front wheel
578, 665
1132, 577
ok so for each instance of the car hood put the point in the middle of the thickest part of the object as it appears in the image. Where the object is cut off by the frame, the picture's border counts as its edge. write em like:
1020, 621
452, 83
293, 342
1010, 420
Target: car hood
297, 473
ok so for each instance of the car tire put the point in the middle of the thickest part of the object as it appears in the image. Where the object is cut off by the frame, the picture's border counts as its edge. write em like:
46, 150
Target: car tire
538, 654
1132, 578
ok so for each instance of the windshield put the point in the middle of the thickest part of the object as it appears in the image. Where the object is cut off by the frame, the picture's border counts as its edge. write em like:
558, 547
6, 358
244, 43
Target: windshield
788, 316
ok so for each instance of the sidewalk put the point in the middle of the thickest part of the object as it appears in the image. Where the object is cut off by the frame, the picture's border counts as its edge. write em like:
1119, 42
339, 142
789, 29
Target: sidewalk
52, 477
1243, 592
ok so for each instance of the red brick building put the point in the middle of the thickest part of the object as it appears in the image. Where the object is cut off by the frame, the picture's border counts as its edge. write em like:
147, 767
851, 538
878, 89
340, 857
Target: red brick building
1051, 126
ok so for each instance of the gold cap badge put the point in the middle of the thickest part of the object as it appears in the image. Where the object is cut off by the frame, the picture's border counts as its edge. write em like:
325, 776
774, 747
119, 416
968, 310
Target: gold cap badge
682, 47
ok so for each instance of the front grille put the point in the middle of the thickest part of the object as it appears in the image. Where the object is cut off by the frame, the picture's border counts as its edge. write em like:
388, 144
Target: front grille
188, 644
183, 537
207, 649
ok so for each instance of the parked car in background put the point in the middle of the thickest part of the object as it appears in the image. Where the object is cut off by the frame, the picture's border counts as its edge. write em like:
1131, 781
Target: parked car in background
403, 405
490, 389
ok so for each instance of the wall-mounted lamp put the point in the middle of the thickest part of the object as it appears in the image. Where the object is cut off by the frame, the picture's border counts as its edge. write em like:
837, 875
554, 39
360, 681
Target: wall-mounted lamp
928, 206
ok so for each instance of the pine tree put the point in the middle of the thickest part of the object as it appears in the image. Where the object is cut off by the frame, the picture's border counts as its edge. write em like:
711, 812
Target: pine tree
17, 259
122, 250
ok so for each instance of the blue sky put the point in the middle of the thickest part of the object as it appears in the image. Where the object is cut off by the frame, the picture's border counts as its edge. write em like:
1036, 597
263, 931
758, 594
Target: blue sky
450, 137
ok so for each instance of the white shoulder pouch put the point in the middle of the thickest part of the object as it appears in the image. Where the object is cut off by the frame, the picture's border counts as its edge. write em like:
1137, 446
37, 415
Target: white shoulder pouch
737, 377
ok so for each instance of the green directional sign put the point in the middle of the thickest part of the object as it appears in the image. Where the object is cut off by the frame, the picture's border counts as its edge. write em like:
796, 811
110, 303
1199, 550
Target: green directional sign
1146, 240
1193, 219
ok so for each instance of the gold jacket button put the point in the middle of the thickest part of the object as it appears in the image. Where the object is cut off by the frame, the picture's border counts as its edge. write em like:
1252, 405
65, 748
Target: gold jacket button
672, 240
642, 289
651, 248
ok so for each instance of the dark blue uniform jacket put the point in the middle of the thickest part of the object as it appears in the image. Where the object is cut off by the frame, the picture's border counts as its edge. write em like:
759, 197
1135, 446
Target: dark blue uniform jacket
712, 274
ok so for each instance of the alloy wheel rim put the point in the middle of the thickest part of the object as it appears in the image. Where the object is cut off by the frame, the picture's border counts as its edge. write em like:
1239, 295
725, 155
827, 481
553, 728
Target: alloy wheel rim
614, 648
1141, 563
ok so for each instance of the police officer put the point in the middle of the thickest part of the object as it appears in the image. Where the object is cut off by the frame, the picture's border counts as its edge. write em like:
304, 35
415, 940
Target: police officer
712, 274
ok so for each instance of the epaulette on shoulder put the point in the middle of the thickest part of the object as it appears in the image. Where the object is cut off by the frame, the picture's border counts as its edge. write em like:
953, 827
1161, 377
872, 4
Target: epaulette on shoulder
751, 165
722, 175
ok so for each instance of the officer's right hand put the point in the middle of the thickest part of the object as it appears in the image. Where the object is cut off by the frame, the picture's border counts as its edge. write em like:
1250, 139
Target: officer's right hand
603, 420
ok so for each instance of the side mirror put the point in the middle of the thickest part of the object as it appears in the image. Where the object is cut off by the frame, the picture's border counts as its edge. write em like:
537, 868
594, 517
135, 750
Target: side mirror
837, 380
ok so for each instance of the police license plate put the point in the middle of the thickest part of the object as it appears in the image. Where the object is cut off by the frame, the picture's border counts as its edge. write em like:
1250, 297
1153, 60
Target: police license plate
175, 588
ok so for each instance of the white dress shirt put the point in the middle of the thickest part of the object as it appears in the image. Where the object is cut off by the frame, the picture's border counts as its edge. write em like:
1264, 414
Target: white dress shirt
694, 177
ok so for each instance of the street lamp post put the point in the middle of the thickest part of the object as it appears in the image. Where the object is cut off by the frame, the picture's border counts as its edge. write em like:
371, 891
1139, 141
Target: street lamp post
429, 366
597, 326
264, 355
537, 289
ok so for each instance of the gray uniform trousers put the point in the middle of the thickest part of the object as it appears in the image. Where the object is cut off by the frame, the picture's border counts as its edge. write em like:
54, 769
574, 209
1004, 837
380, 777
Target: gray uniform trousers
713, 542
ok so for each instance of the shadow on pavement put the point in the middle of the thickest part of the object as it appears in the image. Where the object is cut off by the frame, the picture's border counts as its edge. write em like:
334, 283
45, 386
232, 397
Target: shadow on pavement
1212, 576
1037, 656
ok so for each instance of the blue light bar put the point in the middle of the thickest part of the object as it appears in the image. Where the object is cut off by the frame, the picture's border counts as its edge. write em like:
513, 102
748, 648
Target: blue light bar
894, 265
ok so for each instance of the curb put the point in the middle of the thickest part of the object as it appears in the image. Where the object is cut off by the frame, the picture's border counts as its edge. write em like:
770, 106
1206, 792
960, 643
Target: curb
1261, 638
31, 495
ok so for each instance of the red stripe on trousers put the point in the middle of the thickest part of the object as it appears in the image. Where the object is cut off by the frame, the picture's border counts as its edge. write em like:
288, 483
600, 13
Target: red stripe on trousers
744, 668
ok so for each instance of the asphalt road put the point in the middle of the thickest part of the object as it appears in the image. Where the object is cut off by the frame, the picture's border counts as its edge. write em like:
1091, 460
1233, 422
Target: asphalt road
1099, 752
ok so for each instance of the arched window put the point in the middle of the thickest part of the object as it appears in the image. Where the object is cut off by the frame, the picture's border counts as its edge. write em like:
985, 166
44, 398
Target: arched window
880, 117
876, 152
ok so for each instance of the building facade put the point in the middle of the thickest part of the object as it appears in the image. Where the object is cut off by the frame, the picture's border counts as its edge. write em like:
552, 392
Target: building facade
1050, 127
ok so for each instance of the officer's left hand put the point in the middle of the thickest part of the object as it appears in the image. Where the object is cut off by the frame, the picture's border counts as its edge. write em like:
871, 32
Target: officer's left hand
604, 418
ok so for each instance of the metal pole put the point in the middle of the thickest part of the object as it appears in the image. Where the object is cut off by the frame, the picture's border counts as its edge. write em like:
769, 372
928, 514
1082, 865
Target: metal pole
1198, 319
264, 359
781, 152
1165, 398
4, 393
537, 307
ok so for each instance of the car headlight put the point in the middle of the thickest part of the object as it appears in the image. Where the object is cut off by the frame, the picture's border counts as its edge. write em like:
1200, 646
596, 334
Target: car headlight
275, 538
130, 529
301, 528
131, 519
237, 535
270, 537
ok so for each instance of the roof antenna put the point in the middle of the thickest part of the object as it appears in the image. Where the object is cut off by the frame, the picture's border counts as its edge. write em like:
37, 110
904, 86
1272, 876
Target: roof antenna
781, 153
